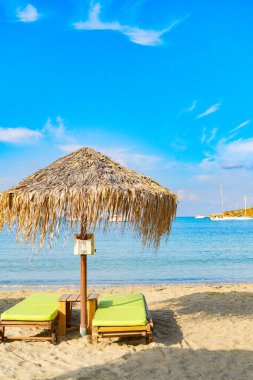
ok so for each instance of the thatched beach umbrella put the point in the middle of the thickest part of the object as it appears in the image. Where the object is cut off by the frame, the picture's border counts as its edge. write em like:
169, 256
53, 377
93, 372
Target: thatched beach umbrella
89, 187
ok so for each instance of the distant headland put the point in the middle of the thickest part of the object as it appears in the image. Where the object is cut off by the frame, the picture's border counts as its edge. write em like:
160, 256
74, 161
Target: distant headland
240, 212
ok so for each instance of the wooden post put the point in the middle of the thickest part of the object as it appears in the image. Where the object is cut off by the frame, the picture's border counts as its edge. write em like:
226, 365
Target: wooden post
68, 314
83, 284
92, 307
62, 319
2, 328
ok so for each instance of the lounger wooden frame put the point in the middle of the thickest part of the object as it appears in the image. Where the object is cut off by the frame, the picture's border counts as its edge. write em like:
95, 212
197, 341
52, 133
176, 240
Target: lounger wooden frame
116, 331
31, 324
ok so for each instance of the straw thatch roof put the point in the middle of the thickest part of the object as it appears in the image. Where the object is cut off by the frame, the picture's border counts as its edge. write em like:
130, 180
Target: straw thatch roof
86, 185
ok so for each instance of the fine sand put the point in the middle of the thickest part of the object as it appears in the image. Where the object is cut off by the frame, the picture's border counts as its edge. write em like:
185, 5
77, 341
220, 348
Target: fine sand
200, 332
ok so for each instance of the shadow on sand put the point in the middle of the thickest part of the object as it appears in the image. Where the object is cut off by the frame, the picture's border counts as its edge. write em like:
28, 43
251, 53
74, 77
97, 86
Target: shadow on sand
171, 363
224, 304
7, 303
166, 330
175, 363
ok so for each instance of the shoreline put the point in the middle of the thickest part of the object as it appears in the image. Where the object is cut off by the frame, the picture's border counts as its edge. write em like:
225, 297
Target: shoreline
117, 285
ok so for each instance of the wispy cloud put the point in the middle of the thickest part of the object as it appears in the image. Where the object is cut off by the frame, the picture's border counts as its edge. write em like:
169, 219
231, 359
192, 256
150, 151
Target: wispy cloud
192, 107
214, 108
208, 137
60, 136
19, 135
186, 195
203, 137
128, 157
236, 154
231, 165
241, 146
56, 130
69, 147
206, 178
212, 135
27, 14
240, 126
188, 109
94, 22
147, 37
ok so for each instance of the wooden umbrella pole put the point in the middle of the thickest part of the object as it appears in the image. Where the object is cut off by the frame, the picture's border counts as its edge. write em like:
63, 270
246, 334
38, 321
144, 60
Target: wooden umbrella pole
83, 284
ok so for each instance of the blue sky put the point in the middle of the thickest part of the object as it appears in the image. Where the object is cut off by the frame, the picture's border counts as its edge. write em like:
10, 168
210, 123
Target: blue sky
162, 87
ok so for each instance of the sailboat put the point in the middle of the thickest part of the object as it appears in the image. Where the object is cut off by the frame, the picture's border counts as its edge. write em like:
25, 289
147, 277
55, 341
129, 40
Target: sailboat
225, 218
199, 216
243, 217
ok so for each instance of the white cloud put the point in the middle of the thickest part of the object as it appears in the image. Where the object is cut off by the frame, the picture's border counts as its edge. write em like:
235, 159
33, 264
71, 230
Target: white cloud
239, 153
203, 137
207, 178
212, 135
147, 37
208, 138
198, 184
27, 14
56, 130
186, 195
126, 157
19, 135
188, 109
240, 126
242, 146
192, 107
60, 135
94, 22
236, 154
69, 148
208, 163
231, 165
215, 107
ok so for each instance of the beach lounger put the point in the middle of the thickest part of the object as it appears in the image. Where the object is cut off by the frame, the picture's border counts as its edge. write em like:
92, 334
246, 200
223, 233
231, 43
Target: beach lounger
39, 310
122, 315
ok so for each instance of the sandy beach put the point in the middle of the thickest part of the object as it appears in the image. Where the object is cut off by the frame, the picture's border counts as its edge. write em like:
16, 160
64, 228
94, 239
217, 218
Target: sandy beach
201, 332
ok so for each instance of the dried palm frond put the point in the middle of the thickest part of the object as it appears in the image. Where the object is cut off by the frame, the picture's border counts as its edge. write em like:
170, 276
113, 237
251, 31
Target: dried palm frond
86, 185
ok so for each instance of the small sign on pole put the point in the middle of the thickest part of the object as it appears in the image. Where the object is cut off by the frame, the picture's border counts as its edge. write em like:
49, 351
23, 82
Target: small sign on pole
84, 247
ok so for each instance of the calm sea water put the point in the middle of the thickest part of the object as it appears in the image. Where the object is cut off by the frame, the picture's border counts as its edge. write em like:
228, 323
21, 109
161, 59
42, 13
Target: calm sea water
197, 251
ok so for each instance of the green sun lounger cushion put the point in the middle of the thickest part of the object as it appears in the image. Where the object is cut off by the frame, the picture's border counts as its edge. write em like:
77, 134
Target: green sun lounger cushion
121, 310
36, 308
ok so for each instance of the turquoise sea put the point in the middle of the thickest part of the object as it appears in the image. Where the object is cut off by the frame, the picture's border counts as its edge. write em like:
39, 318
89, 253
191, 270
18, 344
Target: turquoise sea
198, 251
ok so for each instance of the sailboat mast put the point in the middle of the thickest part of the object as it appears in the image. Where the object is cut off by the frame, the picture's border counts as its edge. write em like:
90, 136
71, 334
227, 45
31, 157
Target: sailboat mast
245, 205
222, 203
